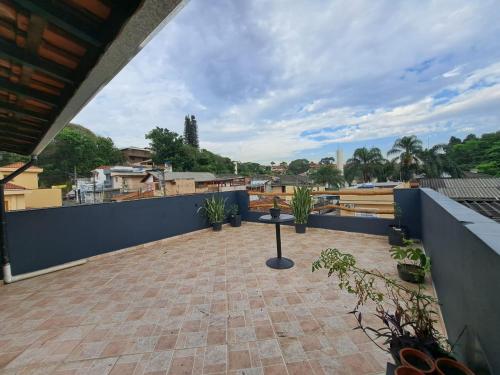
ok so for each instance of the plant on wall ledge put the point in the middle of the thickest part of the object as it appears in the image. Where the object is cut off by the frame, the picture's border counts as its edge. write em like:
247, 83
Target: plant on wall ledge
214, 210
407, 314
413, 264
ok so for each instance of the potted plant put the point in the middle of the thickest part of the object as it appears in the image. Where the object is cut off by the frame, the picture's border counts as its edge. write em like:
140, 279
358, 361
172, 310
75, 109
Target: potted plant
407, 314
413, 264
275, 211
234, 215
214, 209
301, 206
414, 358
397, 231
448, 366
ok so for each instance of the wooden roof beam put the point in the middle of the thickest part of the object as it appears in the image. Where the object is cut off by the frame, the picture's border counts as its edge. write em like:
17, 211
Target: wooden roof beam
51, 100
22, 112
19, 55
64, 17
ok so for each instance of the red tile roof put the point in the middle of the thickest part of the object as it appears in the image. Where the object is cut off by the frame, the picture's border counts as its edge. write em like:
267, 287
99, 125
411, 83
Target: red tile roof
11, 186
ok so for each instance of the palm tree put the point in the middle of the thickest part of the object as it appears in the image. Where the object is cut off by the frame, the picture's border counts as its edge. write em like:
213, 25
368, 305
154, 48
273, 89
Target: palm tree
407, 150
435, 162
327, 174
387, 170
366, 161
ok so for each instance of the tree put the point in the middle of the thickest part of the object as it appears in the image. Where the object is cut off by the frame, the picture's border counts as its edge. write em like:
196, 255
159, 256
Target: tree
365, 162
168, 146
75, 148
191, 131
387, 170
351, 172
328, 160
407, 150
327, 175
298, 166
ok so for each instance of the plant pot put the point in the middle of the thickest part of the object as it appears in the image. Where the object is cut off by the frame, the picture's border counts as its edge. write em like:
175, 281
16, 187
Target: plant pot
411, 273
396, 235
415, 358
446, 366
300, 228
407, 370
236, 221
275, 212
217, 226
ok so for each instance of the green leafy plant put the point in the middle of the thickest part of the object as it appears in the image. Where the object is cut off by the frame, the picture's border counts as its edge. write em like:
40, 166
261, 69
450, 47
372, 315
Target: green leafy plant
301, 204
233, 210
407, 314
214, 209
276, 200
411, 255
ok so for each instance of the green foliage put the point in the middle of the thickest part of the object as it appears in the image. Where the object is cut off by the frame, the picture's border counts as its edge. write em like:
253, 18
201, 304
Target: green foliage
301, 204
214, 209
191, 131
409, 254
481, 153
233, 210
387, 170
10, 157
276, 200
364, 163
407, 150
169, 146
251, 169
298, 166
75, 147
327, 174
327, 161
407, 313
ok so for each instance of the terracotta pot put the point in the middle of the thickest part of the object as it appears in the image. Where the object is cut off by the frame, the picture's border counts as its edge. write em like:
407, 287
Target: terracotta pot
446, 366
407, 370
415, 358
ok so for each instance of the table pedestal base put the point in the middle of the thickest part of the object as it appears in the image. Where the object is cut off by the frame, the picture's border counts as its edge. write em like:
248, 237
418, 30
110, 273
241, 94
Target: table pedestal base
280, 263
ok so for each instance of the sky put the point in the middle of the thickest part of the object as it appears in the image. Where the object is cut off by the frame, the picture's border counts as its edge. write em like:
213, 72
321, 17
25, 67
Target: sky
281, 80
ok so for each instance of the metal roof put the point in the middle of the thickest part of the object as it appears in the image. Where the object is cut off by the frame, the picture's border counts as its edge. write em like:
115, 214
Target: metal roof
464, 188
56, 55
486, 208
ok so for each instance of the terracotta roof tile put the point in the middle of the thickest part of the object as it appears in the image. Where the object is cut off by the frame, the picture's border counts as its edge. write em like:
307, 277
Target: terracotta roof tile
17, 165
11, 186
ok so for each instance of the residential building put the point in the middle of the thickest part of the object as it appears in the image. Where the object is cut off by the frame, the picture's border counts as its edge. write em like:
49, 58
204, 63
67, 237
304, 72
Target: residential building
23, 192
136, 156
482, 194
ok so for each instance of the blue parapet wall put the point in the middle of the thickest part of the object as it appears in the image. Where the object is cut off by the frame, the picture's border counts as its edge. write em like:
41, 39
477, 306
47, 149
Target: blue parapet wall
464, 247
42, 238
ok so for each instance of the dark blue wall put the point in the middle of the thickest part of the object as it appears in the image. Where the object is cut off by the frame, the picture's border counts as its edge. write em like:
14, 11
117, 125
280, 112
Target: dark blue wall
369, 225
408, 200
38, 239
464, 247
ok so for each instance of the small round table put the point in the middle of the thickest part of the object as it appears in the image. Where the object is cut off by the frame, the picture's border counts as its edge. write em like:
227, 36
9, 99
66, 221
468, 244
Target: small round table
279, 262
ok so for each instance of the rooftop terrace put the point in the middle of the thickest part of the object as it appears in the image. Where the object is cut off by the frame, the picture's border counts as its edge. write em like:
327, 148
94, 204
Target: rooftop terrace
204, 302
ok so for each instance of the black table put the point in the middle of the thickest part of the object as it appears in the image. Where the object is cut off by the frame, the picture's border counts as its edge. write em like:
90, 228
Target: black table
279, 262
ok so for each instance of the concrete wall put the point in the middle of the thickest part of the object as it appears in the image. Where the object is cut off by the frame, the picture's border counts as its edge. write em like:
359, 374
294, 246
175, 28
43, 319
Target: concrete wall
408, 200
464, 247
28, 179
15, 200
38, 239
42, 198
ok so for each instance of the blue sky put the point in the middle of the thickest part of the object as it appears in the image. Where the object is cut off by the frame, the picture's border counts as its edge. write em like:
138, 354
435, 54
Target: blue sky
280, 80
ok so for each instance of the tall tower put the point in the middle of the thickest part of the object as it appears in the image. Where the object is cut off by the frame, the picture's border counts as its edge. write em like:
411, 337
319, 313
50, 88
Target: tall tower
340, 160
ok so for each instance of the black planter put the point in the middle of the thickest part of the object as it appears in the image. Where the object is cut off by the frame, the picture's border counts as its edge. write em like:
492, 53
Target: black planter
217, 227
300, 228
396, 235
236, 221
275, 212
411, 273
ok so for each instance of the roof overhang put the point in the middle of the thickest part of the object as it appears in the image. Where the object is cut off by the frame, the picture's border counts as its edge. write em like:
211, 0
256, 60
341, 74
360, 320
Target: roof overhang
96, 47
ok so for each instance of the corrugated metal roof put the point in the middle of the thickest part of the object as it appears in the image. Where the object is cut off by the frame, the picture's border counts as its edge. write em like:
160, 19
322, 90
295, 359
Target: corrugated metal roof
465, 188
197, 176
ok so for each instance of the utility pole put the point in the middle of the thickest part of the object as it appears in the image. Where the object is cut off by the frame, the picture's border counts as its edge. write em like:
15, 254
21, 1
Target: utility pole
77, 191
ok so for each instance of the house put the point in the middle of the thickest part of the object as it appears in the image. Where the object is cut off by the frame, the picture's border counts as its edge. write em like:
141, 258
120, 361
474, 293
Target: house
287, 184
482, 194
23, 191
177, 183
136, 156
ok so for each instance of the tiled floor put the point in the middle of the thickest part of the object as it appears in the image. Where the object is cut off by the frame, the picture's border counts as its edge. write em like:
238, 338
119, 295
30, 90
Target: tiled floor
204, 303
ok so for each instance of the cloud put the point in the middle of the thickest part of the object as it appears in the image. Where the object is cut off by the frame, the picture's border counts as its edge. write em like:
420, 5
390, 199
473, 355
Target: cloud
277, 80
